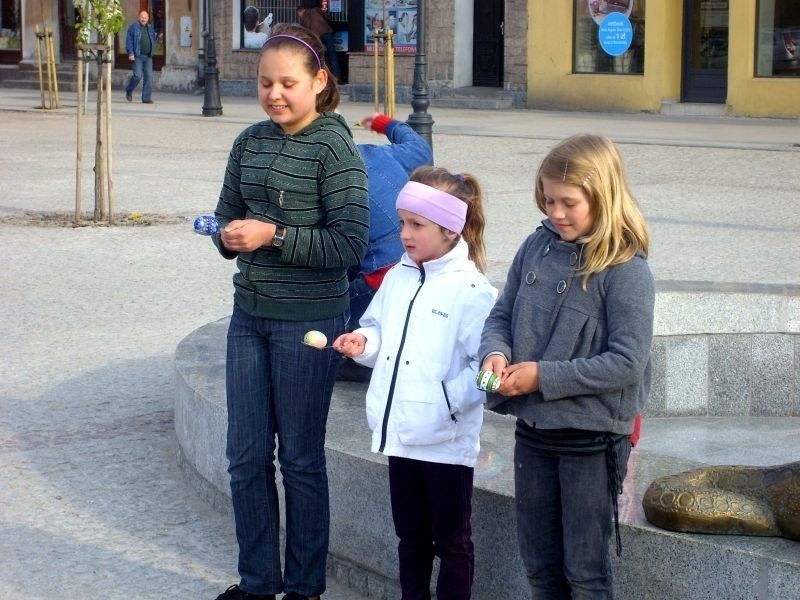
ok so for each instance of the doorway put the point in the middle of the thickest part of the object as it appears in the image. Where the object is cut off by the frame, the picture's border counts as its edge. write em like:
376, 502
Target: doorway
67, 21
487, 44
705, 51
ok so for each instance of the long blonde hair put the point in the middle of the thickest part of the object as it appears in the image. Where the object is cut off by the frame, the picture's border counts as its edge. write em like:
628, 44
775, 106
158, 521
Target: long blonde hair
593, 163
465, 187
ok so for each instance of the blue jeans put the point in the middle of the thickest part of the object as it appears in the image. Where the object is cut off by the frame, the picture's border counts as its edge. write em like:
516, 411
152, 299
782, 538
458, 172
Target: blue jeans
564, 521
279, 390
331, 57
142, 70
360, 297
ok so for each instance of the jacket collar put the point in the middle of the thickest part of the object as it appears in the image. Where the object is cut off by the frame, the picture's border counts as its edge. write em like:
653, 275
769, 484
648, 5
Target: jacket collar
455, 260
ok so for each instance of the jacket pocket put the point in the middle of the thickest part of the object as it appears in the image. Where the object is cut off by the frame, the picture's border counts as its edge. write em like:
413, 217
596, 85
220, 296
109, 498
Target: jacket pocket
423, 414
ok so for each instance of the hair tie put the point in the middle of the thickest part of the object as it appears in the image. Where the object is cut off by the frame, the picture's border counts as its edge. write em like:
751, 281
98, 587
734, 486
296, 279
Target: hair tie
296, 39
460, 178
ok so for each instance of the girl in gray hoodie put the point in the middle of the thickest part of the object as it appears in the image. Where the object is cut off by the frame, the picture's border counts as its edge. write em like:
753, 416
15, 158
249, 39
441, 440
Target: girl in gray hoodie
570, 339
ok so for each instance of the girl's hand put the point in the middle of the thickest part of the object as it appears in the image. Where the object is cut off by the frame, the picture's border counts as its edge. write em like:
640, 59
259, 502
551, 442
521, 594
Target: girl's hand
496, 364
350, 344
366, 122
521, 378
246, 235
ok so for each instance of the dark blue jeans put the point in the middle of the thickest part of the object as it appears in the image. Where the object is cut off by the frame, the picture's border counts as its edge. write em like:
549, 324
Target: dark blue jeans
564, 521
142, 71
360, 297
432, 511
279, 390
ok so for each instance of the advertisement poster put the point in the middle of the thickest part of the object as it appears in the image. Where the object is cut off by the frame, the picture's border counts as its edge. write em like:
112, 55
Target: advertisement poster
398, 15
599, 9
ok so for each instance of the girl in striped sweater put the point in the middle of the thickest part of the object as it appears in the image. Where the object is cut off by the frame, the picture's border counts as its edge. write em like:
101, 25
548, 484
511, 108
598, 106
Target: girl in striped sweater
294, 213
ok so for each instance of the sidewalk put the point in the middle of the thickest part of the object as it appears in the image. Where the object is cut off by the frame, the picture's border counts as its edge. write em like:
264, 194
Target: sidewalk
91, 499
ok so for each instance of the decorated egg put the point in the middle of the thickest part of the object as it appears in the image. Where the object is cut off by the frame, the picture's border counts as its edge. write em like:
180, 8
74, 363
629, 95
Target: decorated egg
487, 381
314, 338
206, 225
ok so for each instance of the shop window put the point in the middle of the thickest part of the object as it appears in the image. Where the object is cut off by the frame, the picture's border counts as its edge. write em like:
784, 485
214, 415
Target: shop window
778, 38
264, 14
603, 48
9, 31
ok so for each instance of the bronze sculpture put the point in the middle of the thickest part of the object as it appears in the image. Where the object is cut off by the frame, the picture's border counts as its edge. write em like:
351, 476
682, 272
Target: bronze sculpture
729, 499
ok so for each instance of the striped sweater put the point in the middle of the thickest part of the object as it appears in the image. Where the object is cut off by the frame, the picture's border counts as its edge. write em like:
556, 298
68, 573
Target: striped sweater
313, 183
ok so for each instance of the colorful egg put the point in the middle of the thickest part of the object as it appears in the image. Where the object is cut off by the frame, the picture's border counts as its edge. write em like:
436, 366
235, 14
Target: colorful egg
314, 338
206, 225
487, 381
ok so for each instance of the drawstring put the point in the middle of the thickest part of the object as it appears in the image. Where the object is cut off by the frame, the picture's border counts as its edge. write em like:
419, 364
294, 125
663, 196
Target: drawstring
615, 487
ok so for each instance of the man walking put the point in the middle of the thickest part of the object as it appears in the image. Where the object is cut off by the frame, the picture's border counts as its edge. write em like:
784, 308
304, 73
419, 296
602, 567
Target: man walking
140, 42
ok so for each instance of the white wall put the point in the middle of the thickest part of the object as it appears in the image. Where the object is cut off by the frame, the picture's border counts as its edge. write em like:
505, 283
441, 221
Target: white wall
462, 43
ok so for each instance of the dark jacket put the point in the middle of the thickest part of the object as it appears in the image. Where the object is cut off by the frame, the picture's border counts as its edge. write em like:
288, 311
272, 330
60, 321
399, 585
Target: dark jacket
593, 346
314, 184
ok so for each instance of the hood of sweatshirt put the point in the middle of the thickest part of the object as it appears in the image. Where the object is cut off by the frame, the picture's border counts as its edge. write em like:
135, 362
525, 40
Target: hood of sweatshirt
326, 120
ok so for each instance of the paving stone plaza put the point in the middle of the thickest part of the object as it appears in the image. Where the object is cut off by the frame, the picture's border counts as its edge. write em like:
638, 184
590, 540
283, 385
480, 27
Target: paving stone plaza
96, 497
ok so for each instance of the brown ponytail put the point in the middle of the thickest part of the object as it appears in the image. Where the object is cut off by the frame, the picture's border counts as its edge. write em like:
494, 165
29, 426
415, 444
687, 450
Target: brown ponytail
465, 187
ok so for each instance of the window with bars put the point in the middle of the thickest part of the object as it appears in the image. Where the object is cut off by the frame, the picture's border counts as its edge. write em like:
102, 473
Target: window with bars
285, 11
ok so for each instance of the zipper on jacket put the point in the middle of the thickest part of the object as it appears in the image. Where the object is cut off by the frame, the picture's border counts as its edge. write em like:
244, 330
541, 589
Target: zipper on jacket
449, 408
390, 395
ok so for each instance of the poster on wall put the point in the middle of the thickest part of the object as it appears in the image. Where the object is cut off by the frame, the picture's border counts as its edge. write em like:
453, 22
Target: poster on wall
615, 31
600, 9
398, 15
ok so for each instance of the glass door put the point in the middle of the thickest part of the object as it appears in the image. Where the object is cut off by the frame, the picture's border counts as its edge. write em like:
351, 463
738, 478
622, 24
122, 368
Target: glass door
705, 51
10, 32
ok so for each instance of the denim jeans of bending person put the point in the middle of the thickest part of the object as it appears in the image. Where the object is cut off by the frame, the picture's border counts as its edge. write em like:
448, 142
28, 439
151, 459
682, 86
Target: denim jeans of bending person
279, 390
142, 71
564, 521
360, 297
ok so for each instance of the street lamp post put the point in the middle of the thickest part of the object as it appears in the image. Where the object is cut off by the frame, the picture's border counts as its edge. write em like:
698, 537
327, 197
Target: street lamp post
212, 107
420, 121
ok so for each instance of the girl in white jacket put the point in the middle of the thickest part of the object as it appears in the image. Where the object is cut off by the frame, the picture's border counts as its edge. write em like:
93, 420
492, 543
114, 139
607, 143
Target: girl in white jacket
421, 334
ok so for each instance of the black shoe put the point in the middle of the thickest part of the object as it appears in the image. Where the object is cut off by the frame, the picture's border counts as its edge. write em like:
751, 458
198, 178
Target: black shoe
147, 101
236, 593
128, 97
296, 596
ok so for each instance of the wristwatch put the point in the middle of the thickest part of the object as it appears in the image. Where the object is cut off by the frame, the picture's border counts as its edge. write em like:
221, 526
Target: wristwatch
279, 237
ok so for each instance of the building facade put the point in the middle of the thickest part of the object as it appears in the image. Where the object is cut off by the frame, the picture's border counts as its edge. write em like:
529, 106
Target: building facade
739, 54
618, 55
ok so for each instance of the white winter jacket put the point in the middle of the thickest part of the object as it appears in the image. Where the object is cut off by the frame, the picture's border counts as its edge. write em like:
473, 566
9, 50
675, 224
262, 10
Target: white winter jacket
423, 328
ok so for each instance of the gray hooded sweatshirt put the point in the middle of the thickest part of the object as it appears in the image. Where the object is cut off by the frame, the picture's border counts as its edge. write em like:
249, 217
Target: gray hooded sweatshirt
592, 346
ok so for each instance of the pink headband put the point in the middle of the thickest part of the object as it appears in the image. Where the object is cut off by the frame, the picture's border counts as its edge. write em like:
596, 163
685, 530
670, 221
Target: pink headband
296, 39
440, 207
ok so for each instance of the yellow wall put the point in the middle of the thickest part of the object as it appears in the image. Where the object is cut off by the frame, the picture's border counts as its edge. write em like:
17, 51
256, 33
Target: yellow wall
551, 83
749, 95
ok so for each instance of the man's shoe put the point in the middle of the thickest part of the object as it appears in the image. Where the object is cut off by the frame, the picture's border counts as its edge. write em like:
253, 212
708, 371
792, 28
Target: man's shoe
236, 593
147, 101
296, 596
128, 97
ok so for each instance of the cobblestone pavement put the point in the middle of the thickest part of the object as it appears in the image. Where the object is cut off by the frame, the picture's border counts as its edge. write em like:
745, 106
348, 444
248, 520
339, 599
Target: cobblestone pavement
91, 500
